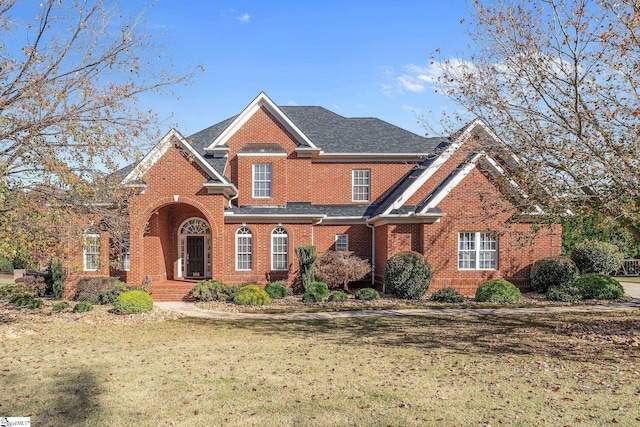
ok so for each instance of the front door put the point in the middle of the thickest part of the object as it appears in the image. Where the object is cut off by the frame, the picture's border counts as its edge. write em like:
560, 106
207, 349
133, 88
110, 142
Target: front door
195, 256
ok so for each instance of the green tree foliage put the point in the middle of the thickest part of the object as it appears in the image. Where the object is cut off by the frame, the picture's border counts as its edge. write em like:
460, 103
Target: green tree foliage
58, 277
306, 261
592, 256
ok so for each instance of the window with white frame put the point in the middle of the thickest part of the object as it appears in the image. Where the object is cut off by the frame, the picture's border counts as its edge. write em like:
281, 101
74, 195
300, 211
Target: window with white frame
262, 180
279, 249
244, 249
342, 242
91, 250
125, 253
477, 251
361, 185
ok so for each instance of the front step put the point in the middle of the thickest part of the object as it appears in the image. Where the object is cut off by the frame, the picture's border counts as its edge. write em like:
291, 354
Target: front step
171, 291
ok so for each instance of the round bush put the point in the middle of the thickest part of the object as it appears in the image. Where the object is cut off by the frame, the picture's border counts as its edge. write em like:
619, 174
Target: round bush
447, 295
133, 302
320, 288
109, 295
552, 272
338, 297
564, 293
59, 306
367, 294
252, 295
499, 290
407, 275
592, 256
83, 307
599, 286
212, 290
276, 290
311, 296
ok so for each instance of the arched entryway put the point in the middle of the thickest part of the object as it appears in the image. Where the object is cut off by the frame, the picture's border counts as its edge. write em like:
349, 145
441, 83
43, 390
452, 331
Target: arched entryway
194, 249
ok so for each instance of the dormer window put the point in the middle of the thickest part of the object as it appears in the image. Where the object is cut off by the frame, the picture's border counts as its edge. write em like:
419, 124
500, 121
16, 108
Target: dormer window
262, 180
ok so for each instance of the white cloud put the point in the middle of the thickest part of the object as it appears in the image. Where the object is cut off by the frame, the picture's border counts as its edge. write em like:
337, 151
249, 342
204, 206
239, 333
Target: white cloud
410, 83
245, 17
417, 78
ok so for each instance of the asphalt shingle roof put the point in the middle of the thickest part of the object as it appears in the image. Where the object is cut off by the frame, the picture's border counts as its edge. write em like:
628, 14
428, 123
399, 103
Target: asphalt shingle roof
305, 208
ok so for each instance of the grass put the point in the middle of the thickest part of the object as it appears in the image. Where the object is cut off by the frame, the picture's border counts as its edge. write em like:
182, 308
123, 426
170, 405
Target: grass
6, 281
411, 371
632, 279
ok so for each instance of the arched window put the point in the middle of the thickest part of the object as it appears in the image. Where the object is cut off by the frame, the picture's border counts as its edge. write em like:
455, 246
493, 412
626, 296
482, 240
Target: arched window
279, 249
91, 250
244, 249
195, 226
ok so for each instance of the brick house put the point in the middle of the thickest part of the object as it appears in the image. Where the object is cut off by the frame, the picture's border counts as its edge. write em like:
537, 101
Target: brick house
233, 201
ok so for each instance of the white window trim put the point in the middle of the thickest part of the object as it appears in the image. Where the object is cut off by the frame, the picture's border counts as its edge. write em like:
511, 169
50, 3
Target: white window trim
86, 236
273, 253
346, 238
182, 249
353, 185
253, 181
125, 250
476, 236
252, 246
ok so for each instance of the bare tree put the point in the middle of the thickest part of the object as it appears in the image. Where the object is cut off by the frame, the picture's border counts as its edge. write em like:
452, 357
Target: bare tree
339, 268
69, 86
558, 81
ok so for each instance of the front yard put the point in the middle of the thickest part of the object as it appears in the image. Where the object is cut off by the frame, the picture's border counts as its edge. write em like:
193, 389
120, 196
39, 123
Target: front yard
560, 369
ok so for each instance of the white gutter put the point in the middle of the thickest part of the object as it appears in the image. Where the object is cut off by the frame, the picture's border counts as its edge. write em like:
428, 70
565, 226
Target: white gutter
313, 225
373, 256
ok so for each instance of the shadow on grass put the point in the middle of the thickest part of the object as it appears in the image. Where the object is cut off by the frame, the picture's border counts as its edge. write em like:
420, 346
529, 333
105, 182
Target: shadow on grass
491, 334
74, 400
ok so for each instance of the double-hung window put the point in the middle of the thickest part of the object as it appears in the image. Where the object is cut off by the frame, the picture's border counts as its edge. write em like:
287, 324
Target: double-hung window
360, 185
244, 249
125, 253
262, 180
279, 249
477, 251
342, 242
91, 251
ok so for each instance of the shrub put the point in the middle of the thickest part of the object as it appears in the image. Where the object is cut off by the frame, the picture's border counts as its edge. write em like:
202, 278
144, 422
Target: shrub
109, 295
447, 295
599, 286
367, 294
499, 290
39, 287
592, 256
320, 288
338, 297
275, 290
6, 265
59, 306
553, 272
133, 302
306, 261
407, 275
9, 291
211, 290
27, 280
567, 293
83, 307
311, 296
88, 288
339, 268
57, 277
252, 295
26, 300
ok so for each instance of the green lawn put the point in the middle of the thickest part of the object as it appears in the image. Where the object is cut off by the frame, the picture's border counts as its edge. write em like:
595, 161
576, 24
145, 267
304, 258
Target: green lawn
633, 279
6, 281
403, 371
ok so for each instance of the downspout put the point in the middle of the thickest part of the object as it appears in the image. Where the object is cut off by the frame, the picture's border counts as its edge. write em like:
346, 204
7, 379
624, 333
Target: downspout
231, 199
373, 256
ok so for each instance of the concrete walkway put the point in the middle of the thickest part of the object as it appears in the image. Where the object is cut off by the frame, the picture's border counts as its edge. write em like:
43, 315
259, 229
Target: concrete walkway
631, 288
190, 309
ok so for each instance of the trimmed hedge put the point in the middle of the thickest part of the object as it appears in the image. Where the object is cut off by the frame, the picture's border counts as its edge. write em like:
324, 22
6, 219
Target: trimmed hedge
407, 275
276, 290
338, 296
568, 293
599, 286
88, 288
447, 295
498, 290
367, 294
252, 295
213, 290
592, 256
133, 302
553, 272
320, 288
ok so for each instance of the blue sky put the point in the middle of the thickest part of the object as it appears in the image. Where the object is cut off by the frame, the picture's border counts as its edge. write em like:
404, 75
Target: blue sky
357, 58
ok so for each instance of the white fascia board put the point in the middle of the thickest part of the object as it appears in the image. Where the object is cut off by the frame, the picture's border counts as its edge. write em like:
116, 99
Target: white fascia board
262, 154
160, 149
262, 100
228, 189
500, 171
457, 179
428, 218
433, 168
230, 217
